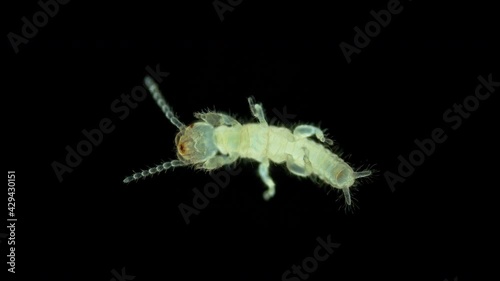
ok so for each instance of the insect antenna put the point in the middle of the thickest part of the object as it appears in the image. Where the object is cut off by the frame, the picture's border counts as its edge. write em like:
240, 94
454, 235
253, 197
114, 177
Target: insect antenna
162, 103
151, 171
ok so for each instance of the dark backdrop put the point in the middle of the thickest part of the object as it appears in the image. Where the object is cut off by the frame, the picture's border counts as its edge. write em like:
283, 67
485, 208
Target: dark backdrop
435, 225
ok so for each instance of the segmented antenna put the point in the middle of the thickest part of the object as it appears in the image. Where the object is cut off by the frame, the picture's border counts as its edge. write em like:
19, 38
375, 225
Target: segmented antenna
162, 103
151, 171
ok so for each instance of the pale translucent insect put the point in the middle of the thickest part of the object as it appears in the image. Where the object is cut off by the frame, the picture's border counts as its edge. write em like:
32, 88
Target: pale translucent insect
217, 139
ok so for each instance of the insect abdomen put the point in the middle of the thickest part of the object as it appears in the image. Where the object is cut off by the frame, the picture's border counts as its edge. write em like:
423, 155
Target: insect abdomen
325, 164
336, 172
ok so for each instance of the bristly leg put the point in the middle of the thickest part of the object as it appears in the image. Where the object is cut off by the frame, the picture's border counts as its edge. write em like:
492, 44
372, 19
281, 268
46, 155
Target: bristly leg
305, 131
217, 119
266, 178
257, 110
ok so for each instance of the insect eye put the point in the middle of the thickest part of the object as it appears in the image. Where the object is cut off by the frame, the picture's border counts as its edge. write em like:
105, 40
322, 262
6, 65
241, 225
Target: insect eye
182, 148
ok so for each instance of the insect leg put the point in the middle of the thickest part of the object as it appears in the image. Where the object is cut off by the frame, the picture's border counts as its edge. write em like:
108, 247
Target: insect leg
257, 110
216, 119
298, 170
264, 175
305, 131
219, 161
162, 103
151, 171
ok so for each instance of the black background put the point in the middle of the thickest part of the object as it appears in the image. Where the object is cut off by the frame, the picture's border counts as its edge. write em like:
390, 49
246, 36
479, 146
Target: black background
434, 226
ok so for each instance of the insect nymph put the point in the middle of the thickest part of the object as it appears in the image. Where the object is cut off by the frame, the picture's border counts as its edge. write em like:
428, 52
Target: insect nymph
217, 139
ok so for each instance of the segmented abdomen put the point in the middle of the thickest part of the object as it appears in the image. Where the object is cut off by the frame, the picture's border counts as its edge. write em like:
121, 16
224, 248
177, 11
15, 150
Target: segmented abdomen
259, 142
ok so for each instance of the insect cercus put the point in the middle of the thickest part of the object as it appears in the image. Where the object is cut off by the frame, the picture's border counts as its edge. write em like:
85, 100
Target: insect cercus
217, 139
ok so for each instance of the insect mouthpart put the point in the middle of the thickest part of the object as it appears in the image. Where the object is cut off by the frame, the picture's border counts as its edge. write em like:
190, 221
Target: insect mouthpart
195, 144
